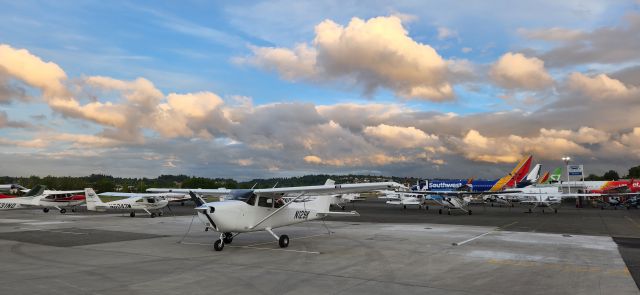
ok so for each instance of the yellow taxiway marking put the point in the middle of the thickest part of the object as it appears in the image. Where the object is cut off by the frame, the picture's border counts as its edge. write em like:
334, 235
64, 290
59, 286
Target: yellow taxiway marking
562, 267
484, 234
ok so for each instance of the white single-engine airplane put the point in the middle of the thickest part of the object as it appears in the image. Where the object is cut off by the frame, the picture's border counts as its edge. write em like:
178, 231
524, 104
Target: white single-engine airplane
133, 202
249, 210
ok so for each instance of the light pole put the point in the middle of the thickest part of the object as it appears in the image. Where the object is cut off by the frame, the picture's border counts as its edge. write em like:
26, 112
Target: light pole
566, 163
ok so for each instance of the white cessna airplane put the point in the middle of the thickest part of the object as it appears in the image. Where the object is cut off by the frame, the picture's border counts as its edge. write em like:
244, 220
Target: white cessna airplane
133, 202
250, 210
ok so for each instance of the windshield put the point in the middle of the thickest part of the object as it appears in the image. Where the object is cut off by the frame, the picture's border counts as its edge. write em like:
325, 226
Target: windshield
240, 195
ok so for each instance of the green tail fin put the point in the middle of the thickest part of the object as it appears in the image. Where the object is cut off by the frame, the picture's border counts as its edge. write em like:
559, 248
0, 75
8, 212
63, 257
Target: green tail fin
555, 175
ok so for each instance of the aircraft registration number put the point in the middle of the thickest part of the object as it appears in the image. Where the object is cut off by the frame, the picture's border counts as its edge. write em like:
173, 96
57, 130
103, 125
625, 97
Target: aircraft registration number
301, 214
120, 206
8, 205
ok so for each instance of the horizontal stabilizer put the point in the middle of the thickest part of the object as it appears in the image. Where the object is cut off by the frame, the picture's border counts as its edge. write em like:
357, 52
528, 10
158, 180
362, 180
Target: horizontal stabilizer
335, 213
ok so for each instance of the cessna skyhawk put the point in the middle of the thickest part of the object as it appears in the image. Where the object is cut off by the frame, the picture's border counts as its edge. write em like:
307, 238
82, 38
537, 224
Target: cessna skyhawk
132, 202
265, 209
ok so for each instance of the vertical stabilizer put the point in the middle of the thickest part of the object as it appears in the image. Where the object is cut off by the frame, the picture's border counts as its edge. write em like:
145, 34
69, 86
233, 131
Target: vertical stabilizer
555, 175
544, 178
36, 191
92, 199
511, 178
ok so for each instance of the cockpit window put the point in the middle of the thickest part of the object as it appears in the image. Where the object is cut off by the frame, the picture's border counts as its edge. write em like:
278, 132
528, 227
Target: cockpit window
265, 202
252, 200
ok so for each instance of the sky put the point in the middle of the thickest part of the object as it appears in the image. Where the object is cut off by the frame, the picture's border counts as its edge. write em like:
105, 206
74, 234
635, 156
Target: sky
260, 89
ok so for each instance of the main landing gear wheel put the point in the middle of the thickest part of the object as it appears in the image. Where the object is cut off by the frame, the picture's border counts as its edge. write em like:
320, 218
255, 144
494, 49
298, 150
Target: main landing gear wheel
132, 214
63, 210
283, 241
470, 212
218, 245
448, 212
426, 208
439, 211
73, 209
153, 215
405, 206
228, 238
555, 211
45, 210
529, 210
160, 213
206, 229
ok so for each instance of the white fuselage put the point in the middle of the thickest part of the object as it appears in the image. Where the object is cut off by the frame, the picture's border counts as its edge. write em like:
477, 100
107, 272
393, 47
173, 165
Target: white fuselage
239, 216
129, 205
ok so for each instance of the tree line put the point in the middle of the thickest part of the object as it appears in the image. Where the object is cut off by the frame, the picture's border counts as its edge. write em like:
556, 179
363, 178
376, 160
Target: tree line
634, 173
108, 183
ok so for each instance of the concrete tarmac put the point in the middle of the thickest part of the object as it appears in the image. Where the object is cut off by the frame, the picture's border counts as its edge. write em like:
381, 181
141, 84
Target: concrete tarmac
386, 250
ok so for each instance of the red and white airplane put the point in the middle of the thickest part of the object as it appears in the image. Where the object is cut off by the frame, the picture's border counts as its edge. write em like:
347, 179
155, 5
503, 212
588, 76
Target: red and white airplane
40, 197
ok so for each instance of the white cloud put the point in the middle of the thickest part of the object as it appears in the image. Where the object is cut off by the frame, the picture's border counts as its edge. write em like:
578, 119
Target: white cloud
601, 87
403, 137
373, 53
516, 71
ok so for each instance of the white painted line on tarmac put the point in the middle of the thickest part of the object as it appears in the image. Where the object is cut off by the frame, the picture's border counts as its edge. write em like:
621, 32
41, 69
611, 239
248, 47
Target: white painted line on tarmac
276, 249
484, 234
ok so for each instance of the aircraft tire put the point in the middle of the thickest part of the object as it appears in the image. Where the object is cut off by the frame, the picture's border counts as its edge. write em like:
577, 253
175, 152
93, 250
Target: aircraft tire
439, 211
63, 210
160, 213
602, 208
555, 211
405, 206
283, 241
426, 208
45, 210
132, 214
153, 215
448, 212
470, 212
228, 238
530, 210
73, 209
206, 229
218, 245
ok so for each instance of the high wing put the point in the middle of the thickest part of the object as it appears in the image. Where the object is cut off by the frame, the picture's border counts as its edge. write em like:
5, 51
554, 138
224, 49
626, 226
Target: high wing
131, 195
329, 189
50, 192
201, 191
315, 189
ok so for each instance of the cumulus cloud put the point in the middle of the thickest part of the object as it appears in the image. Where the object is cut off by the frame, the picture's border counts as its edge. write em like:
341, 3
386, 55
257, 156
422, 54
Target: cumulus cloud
24, 66
601, 87
372, 53
396, 136
516, 71
508, 149
141, 123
